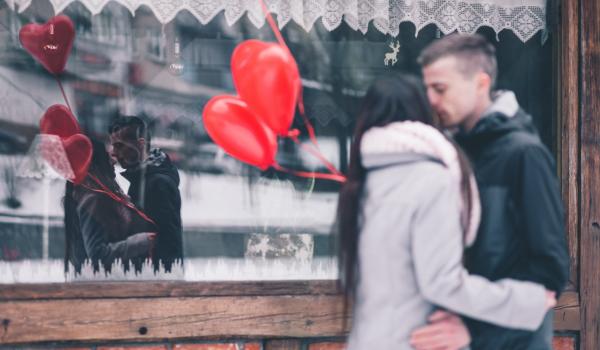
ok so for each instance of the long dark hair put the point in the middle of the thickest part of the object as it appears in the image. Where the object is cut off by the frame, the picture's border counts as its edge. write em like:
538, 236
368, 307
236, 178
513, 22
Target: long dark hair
390, 99
102, 168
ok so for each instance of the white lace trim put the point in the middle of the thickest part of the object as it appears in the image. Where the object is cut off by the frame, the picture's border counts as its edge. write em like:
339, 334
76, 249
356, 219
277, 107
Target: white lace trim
524, 17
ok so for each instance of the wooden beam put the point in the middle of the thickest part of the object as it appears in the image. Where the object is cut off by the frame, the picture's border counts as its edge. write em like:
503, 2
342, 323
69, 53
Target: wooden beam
567, 81
152, 319
590, 175
100, 290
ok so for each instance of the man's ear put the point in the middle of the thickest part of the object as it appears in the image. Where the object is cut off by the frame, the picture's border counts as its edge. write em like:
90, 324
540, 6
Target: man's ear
484, 82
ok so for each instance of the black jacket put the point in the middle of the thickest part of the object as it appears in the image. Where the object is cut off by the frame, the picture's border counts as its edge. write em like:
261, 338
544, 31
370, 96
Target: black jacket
154, 187
522, 234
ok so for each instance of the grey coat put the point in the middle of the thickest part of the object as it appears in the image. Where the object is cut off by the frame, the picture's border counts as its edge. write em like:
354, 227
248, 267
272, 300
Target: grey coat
410, 258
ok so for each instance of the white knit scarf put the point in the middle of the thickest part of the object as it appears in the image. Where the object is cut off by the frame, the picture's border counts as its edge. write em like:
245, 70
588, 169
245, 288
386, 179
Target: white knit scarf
419, 138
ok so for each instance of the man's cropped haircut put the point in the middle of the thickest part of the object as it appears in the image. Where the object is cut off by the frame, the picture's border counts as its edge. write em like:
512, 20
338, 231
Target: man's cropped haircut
131, 128
473, 52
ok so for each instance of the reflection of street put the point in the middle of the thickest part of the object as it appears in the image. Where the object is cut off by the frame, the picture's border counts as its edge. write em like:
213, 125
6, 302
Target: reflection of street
119, 65
220, 213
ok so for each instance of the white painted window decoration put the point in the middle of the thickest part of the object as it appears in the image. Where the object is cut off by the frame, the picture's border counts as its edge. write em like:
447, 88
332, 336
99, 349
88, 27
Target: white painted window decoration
391, 58
523, 17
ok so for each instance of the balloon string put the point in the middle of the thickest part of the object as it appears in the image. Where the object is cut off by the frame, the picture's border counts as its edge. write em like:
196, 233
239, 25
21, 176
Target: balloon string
277, 32
315, 152
309, 127
272, 24
302, 110
62, 90
107, 191
307, 174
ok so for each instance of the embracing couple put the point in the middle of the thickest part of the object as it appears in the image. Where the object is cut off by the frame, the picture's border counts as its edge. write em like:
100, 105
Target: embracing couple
442, 249
103, 225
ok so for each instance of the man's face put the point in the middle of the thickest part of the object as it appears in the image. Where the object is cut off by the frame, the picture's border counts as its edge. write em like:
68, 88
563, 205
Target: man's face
453, 95
126, 151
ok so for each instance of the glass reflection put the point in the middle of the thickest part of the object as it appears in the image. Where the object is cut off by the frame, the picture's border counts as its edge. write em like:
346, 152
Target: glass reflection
236, 222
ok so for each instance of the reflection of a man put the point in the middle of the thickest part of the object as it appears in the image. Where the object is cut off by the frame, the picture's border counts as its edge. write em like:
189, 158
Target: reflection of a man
154, 185
100, 224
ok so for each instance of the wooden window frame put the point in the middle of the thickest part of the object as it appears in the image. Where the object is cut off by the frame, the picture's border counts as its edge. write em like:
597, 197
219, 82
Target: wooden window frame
150, 311
578, 104
588, 100
153, 311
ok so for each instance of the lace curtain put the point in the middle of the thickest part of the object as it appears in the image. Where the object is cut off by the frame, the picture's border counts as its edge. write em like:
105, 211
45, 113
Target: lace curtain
523, 17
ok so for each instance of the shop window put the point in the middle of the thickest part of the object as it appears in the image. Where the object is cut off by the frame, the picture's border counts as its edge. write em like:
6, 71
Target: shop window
238, 222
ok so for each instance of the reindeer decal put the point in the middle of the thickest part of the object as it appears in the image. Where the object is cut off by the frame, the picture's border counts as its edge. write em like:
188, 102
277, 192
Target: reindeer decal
392, 56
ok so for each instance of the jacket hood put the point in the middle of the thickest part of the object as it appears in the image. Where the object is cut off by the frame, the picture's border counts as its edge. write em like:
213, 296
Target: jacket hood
503, 116
407, 142
158, 162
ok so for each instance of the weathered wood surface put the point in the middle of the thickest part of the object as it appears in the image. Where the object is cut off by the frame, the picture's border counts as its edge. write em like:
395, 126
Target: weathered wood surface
590, 175
101, 290
186, 317
172, 318
567, 84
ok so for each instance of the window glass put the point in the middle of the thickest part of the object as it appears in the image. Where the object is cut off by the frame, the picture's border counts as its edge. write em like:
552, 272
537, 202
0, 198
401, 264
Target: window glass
237, 222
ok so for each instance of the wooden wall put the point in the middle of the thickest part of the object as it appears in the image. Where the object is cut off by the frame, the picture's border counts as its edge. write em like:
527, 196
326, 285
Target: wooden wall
145, 311
589, 284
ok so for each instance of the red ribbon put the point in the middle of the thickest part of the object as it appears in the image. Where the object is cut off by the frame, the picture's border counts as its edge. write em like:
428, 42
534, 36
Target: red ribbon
273, 25
63, 92
309, 174
335, 175
315, 152
107, 191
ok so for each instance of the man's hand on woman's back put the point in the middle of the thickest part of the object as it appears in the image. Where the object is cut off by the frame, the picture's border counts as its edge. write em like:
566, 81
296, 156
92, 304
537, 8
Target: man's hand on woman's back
446, 331
550, 299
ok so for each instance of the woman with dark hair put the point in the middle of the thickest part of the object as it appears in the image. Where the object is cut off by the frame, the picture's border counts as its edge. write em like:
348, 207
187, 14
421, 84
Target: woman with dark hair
409, 207
101, 225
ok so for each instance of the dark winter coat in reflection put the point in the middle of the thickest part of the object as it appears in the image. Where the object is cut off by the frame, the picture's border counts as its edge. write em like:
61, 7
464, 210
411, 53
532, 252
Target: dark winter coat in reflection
154, 187
102, 230
101, 225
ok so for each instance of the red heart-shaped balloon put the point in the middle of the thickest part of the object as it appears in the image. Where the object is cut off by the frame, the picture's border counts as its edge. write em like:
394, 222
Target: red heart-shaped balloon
58, 120
78, 148
49, 43
233, 126
266, 77
70, 157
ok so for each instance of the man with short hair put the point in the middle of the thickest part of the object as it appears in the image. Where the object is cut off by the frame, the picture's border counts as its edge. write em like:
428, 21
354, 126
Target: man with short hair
154, 183
522, 234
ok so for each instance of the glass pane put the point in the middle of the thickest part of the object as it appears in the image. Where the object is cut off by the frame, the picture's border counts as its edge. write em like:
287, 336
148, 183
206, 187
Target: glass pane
238, 222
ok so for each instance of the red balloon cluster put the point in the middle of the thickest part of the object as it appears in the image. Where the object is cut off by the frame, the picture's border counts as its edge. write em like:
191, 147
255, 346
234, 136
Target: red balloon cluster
267, 80
58, 120
50, 43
